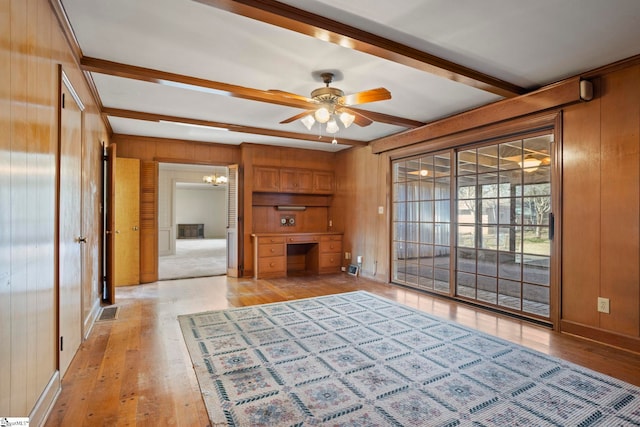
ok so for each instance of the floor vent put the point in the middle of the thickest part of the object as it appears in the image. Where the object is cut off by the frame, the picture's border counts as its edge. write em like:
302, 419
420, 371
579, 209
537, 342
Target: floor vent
108, 313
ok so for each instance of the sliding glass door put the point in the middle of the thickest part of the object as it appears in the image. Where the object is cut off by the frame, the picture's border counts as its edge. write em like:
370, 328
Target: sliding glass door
422, 222
491, 242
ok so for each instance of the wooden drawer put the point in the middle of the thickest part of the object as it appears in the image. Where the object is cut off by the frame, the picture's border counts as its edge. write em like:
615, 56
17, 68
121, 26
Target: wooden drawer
268, 250
331, 246
271, 239
330, 237
272, 265
303, 239
329, 261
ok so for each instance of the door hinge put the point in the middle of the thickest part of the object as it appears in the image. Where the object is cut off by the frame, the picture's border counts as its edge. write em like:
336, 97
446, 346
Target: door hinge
61, 343
63, 100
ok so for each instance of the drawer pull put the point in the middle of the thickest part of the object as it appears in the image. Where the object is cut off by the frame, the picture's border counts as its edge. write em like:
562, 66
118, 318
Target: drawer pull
272, 250
271, 264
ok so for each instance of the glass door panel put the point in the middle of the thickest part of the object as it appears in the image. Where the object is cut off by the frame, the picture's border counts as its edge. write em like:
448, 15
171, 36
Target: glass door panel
421, 222
502, 243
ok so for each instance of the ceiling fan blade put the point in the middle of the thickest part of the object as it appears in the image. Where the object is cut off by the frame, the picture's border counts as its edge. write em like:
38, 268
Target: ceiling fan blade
296, 117
360, 119
372, 95
292, 95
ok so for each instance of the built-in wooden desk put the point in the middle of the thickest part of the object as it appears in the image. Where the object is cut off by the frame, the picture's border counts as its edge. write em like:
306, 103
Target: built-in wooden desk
276, 254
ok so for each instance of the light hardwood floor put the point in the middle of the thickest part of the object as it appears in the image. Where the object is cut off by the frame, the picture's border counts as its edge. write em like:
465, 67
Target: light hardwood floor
136, 370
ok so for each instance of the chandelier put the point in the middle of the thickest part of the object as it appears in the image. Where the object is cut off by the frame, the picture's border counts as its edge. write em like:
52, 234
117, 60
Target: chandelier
214, 180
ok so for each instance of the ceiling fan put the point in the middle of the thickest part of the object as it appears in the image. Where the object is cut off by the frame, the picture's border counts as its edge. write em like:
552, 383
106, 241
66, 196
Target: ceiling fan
328, 103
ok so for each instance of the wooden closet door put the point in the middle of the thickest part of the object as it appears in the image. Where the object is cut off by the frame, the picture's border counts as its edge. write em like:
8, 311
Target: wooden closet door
127, 218
70, 238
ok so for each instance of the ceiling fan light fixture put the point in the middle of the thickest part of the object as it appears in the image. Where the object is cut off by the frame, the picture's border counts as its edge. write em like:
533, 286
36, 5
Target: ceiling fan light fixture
322, 115
530, 162
347, 119
332, 126
308, 121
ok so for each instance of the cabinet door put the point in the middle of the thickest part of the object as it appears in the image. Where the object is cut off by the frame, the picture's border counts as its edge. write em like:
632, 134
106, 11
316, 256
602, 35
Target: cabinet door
323, 182
296, 181
288, 180
266, 179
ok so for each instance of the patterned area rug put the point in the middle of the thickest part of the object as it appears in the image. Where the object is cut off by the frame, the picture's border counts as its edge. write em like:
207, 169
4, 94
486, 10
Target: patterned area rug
356, 359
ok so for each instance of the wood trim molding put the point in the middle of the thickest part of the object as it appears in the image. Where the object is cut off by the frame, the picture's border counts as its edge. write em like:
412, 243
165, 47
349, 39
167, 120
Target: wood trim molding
76, 53
285, 16
41, 410
67, 30
596, 334
501, 130
116, 69
139, 115
553, 96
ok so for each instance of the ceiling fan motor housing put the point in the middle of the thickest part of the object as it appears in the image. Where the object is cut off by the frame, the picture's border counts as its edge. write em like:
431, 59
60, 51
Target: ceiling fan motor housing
327, 94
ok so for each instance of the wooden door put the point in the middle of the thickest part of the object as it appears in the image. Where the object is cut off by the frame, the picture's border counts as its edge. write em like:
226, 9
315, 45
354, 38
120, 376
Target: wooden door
148, 221
127, 222
232, 222
69, 225
109, 293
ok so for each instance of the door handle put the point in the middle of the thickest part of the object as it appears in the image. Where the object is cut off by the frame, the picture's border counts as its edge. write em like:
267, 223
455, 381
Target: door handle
81, 239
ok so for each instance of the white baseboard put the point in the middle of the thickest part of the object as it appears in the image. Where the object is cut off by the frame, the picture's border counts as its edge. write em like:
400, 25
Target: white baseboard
43, 406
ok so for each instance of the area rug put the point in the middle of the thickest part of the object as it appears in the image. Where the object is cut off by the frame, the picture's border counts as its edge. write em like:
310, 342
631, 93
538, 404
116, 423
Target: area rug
355, 359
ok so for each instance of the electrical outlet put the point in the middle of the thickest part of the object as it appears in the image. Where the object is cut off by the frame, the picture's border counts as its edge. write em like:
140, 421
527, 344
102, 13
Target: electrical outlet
347, 255
359, 259
603, 305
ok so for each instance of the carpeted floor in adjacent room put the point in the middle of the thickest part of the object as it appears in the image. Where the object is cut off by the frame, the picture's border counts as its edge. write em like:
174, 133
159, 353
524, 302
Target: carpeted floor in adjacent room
194, 258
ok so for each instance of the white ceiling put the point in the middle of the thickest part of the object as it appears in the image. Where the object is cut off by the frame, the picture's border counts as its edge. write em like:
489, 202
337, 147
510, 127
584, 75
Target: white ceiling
523, 42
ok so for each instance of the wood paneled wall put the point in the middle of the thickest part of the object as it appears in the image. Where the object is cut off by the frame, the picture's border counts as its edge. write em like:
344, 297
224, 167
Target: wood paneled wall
176, 151
601, 201
363, 184
32, 46
600, 205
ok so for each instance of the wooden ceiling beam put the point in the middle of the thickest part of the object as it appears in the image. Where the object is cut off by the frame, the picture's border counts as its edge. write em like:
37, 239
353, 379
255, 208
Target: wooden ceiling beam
294, 19
117, 69
151, 117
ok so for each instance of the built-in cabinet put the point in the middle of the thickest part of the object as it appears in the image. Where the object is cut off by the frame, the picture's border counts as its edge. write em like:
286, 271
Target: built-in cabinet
276, 255
296, 181
330, 258
292, 180
266, 179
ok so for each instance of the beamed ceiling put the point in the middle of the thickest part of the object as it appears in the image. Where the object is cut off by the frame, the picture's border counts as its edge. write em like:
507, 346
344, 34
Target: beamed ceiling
157, 65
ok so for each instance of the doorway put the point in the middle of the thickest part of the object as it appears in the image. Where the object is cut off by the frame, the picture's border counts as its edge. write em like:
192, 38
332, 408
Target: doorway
192, 215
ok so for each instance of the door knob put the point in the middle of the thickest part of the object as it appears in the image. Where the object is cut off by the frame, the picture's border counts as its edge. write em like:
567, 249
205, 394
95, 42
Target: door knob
81, 239
134, 228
